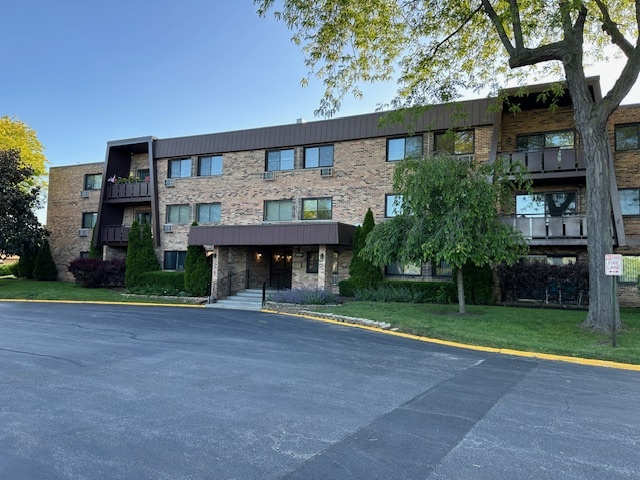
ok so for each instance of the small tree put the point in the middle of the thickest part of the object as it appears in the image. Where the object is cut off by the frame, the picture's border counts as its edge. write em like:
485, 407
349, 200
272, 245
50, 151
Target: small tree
197, 271
449, 214
141, 257
27, 261
362, 271
94, 252
44, 267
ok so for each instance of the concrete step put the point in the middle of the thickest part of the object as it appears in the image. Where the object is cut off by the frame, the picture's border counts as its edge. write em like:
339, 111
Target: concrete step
236, 305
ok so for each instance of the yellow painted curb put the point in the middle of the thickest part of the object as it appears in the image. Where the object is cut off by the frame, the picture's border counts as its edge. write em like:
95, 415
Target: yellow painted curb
504, 351
98, 302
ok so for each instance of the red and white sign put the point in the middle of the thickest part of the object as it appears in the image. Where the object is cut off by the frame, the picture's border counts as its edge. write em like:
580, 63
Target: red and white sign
613, 265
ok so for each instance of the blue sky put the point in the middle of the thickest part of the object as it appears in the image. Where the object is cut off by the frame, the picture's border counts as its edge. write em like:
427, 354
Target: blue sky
83, 73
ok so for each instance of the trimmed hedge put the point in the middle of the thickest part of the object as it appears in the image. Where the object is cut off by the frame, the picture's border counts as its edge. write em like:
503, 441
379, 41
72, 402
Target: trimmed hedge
304, 296
478, 285
160, 283
9, 269
347, 288
95, 273
411, 292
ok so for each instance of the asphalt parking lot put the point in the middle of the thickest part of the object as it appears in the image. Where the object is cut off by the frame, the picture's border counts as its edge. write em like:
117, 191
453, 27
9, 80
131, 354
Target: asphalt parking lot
126, 392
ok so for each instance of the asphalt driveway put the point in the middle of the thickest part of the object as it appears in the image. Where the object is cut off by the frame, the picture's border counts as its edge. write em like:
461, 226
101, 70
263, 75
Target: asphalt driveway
125, 392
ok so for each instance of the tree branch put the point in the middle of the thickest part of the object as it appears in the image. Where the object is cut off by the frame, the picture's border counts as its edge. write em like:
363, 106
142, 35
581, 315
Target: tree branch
623, 85
466, 20
517, 26
611, 28
502, 34
543, 53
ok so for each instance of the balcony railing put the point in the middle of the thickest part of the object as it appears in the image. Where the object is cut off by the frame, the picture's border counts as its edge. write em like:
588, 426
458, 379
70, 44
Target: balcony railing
114, 235
550, 160
128, 190
566, 226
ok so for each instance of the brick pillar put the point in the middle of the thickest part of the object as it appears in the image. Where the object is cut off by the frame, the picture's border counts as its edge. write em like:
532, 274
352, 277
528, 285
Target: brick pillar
219, 271
325, 269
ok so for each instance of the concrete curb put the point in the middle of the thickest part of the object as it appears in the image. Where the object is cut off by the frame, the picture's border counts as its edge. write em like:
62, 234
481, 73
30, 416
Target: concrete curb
363, 323
98, 302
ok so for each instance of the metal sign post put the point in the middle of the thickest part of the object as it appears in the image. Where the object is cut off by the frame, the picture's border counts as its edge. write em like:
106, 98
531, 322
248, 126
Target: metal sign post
613, 268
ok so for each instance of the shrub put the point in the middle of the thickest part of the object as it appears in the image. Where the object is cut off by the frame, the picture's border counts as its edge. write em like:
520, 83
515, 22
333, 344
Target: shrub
27, 262
363, 273
5, 270
304, 296
141, 257
160, 283
95, 273
413, 292
347, 288
197, 271
44, 267
478, 285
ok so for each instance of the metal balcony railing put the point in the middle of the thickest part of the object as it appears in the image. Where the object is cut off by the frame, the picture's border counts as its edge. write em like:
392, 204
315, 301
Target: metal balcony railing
548, 227
114, 235
128, 190
549, 160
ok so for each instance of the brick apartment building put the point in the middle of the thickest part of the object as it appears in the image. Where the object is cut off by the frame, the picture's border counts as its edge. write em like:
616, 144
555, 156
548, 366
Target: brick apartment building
280, 204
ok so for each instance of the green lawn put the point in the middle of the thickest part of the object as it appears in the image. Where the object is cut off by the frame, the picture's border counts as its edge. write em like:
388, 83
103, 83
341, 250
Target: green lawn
12, 288
529, 329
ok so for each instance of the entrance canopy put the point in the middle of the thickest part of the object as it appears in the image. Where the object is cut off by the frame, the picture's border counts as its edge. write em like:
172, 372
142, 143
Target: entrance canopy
283, 234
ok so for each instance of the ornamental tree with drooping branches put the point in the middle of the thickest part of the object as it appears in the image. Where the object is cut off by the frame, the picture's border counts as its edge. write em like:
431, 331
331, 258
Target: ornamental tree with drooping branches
437, 48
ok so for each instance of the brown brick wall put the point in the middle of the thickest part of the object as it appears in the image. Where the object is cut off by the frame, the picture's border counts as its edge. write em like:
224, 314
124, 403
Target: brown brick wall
64, 213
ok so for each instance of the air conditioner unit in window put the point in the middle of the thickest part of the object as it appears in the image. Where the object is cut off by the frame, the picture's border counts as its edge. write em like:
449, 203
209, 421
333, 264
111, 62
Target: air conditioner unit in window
466, 158
326, 172
167, 227
83, 232
84, 193
169, 182
269, 176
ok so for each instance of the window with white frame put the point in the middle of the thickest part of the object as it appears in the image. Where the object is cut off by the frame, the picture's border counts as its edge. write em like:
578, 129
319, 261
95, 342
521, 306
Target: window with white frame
89, 219
210, 165
179, 214
321, 156
455, 143
405, 147
180, 168
630, 201
316, 209
280, 160
393, 205
278, 210
208, 213
627, 137
174, 260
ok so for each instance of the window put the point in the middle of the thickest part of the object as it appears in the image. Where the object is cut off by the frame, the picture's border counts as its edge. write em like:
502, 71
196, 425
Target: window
208, 166
208, 213
560, 260
628, 137
316, 209
144, 174
630, 269
630, 201
442, 269
315, 157
399, 269
334, 263
180, 168
313, 260
455, 143
406, 147
93, 181
278, 210
178, 213
551, 204
393, 205
143, 216
174, 260
280, 160
89, 219
84, 254
540, 141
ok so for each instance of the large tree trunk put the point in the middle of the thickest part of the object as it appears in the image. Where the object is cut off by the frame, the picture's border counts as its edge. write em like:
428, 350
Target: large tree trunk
461, 305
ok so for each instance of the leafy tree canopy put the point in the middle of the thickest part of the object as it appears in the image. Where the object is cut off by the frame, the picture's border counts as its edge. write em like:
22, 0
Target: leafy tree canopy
15, 134
449, 214
19, 226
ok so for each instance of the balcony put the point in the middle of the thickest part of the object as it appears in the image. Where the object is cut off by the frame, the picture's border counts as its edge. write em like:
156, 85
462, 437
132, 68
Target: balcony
114, 236
551, 163
128, 191
547, 230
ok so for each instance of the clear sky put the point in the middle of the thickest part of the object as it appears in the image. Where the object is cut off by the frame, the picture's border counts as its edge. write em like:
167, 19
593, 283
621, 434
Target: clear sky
83, 73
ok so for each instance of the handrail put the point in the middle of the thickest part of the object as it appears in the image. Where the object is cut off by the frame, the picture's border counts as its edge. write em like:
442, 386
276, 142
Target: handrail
264, 293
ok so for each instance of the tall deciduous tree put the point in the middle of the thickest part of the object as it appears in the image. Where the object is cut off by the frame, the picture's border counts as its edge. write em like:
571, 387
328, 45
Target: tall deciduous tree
17, 135
449, 214
19, 228
444, 46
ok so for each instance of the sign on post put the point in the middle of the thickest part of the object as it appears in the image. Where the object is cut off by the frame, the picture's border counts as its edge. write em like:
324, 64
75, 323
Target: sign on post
613, 264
